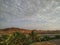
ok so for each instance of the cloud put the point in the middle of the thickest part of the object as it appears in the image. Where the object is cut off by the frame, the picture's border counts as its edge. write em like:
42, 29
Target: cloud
31, 14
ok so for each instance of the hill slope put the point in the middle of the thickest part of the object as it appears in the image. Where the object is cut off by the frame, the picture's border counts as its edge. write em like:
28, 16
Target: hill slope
10, 30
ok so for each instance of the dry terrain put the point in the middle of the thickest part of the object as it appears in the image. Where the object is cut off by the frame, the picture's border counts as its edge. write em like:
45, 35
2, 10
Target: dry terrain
51, 42
42, 32
43, 43
13, 29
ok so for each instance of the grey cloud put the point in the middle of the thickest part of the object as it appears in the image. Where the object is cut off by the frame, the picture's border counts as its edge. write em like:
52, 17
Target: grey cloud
31, 14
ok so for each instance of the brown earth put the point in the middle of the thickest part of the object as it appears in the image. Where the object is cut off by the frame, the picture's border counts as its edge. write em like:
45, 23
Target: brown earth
10, 30
43, 43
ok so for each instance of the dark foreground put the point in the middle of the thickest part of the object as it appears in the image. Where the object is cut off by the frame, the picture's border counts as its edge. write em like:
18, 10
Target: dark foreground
17, 38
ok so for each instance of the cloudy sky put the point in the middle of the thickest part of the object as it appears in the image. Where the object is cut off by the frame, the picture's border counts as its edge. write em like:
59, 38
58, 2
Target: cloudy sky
30, 14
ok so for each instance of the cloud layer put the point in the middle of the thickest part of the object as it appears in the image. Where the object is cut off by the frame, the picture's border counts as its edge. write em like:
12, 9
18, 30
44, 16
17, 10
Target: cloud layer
30, 14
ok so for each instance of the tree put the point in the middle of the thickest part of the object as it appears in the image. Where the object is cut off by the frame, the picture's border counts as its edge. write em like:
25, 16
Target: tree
33, 36
57, 36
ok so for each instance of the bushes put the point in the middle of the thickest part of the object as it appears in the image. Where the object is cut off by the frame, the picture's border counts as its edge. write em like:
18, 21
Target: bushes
47, 38
21, 39
57, 36
3, 37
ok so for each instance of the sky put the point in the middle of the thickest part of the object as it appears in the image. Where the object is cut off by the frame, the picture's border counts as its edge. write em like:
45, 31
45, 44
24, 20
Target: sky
30, 14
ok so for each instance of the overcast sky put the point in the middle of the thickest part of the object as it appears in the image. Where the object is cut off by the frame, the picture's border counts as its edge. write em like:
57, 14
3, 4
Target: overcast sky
30, 14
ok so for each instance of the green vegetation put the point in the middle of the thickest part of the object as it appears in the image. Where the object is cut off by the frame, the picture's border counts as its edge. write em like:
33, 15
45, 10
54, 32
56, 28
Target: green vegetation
24, 39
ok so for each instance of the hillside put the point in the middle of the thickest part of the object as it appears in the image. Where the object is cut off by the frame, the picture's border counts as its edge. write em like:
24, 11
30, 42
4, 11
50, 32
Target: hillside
10, 30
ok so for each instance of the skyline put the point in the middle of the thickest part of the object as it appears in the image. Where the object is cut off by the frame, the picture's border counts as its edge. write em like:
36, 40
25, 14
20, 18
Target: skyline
30, 14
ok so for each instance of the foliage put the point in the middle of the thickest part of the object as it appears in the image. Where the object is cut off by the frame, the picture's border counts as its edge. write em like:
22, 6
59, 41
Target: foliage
17, 38
57, 36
